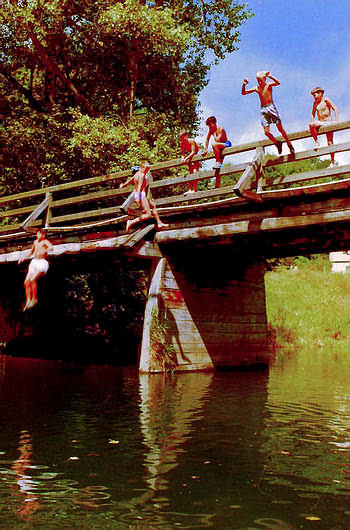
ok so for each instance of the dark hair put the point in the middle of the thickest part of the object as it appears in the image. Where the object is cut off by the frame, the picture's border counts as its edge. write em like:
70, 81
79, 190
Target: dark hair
210, 119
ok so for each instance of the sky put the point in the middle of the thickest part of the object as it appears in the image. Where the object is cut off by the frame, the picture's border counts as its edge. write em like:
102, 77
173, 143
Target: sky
304, 43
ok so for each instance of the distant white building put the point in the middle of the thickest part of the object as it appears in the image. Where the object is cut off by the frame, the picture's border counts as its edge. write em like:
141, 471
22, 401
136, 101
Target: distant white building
340, 261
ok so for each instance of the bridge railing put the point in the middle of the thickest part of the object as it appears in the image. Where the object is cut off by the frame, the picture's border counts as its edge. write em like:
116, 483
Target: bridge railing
96, 201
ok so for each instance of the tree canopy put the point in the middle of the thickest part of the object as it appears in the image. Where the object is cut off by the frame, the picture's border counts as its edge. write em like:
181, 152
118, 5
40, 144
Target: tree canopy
87, 87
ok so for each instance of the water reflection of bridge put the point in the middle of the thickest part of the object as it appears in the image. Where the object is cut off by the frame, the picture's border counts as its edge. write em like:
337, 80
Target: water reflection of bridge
206, 303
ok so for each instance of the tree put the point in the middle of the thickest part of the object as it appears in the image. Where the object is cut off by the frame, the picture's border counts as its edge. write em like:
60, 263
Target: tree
86, 86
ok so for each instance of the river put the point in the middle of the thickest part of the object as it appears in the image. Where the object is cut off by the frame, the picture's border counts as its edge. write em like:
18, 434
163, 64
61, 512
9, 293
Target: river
98, 447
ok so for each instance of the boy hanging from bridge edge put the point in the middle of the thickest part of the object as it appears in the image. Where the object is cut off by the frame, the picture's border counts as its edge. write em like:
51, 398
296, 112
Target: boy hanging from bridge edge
323, 107
37, 267
143, 197
269, 112
219, 143
189, 145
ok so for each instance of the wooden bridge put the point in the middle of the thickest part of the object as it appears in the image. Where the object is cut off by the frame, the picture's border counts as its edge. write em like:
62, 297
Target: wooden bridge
206, 290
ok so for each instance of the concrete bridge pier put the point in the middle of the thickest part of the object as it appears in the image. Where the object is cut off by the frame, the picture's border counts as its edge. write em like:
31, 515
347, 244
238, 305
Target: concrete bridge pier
205, 311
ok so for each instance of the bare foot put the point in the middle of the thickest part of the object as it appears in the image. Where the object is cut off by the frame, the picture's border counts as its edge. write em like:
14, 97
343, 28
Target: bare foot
317, 145
162, 225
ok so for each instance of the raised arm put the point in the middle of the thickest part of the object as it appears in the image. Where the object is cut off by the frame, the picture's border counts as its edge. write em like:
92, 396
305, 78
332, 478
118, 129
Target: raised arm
244, 91
275, 81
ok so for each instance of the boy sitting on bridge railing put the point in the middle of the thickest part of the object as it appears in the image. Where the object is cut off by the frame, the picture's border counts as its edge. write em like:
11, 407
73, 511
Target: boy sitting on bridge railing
189, 145
143, 197
269, 112
220, 141
323, 107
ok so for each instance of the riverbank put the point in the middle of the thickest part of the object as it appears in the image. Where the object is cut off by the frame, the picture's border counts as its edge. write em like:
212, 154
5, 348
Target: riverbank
308, 306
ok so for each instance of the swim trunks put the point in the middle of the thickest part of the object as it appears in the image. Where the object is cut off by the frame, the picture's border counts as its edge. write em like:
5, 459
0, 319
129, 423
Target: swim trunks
269, 114
139, 195
38, 266
228, 143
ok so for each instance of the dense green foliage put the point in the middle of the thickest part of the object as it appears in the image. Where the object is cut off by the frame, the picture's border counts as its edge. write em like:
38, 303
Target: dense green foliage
88, 87
308, 306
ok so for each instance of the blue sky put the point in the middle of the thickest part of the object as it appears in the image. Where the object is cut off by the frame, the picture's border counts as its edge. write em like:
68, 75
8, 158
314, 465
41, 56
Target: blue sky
304, 43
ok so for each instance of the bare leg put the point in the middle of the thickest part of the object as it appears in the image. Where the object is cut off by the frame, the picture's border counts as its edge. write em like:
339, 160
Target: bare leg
313, 130
217, 149
273, 139
285, 136
329, 136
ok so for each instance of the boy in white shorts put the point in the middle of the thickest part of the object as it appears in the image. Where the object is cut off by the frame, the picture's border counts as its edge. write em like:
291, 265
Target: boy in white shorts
37, 267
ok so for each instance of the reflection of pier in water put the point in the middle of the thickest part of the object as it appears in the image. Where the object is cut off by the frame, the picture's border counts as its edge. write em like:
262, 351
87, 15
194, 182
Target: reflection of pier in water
169, 406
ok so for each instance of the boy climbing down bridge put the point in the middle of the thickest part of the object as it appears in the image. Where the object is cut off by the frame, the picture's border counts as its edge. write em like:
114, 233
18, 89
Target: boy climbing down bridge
143, 197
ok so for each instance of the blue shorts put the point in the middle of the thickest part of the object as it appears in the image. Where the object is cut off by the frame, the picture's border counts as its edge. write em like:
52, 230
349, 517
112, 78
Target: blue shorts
228, 143
269, 114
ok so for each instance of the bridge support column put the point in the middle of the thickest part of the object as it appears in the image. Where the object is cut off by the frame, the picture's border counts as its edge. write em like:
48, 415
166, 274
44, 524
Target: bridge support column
204, 312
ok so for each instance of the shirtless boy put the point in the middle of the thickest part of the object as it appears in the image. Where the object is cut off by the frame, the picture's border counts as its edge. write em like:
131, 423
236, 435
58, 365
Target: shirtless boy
219, 143
323, 107
37, 267
189, 145
142, 197
269, 112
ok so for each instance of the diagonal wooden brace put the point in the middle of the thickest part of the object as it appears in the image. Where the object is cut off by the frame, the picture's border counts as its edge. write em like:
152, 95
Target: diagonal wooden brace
28, 222
253, 172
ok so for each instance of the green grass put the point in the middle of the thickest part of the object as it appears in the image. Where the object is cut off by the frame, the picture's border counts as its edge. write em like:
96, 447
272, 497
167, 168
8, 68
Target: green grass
309, 306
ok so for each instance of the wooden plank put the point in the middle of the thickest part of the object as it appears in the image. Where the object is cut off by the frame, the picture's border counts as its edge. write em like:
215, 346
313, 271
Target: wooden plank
135, 237
246, 227
308, 175
306, 155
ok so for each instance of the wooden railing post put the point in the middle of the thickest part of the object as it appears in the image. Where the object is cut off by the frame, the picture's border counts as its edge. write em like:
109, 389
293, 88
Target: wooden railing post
254, 171
48, 197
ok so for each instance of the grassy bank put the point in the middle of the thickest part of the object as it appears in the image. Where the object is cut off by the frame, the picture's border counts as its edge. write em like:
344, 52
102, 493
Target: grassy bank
309, 306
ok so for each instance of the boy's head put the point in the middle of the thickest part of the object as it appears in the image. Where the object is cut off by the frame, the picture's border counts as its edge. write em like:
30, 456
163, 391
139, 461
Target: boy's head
41, 234
183, 134
261, 77
211, 122
317, 92
145, 164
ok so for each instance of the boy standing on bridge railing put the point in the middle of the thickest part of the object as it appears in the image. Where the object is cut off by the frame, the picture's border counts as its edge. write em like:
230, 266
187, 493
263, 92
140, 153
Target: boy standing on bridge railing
323, 107
143, 197
269, 112
189, 145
